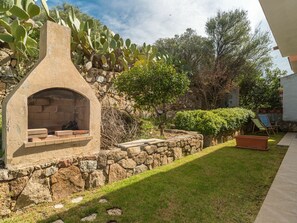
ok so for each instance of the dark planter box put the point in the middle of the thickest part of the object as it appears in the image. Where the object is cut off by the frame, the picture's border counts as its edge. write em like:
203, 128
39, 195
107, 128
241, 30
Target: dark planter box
252, 142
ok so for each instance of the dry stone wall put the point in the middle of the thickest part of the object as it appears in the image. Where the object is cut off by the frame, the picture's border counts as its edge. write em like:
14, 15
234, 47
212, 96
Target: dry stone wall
287, 126
58, 179
7, 84
100, 81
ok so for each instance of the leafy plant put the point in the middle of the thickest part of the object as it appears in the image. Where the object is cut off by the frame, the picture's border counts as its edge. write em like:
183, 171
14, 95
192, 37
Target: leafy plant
153, 86
18, 27
261, 91
146, 128
101, 47
92, 44
216, 62
235, 117
204, 122
213, 122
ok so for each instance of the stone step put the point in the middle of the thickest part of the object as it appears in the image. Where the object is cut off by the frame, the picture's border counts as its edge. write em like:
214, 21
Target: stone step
287, 139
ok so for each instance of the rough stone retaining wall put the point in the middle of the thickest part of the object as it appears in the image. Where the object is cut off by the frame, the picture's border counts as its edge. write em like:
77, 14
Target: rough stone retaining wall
212, 141
287, 126
100, 81
58, 179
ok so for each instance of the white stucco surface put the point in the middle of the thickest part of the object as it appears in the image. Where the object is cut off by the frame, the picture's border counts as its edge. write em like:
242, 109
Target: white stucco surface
289, 84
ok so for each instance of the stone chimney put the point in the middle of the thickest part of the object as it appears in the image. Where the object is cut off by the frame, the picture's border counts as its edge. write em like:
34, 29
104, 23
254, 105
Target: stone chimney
52, 82
55, 42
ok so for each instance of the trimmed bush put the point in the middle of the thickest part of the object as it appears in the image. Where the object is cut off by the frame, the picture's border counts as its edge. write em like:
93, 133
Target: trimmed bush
204, 122
234, 117
214, 122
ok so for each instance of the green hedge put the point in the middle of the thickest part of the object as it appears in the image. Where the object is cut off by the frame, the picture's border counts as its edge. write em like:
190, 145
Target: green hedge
235, 117
213, 122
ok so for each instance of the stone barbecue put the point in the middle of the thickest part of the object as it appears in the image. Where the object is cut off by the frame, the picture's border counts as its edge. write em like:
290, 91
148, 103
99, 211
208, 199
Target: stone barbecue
53, 113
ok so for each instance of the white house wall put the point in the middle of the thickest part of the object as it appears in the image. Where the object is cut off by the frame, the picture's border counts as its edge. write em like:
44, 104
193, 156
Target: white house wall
289, 84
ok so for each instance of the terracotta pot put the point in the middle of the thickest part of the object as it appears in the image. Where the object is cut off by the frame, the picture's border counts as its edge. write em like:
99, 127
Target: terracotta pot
252, 142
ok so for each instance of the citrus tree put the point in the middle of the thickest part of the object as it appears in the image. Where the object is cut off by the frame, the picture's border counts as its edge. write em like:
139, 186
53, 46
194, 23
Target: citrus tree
153, 86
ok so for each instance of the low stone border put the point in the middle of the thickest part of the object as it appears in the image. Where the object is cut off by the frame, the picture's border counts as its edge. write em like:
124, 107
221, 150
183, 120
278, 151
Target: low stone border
215, 140
285, 126
58, 179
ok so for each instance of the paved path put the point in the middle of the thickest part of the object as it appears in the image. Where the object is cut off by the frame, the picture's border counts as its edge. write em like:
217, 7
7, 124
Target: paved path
280, 204
287, 139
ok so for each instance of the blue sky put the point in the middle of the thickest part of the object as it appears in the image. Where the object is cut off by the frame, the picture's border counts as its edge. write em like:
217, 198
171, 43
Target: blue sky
149, 20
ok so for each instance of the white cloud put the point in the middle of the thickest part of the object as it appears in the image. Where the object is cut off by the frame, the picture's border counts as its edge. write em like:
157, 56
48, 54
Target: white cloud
149, 20
146, 21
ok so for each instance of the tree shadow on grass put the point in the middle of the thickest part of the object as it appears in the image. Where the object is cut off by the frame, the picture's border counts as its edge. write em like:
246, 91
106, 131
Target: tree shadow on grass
227, 185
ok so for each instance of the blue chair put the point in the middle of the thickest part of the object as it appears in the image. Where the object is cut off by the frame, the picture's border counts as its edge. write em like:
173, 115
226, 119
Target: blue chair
259, 125
266, 122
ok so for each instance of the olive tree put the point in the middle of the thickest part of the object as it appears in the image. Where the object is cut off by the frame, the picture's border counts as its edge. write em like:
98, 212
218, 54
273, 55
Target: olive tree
153, 86
217, 62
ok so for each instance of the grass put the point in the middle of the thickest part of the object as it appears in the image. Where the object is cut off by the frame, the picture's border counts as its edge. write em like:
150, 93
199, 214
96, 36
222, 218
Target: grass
219, 184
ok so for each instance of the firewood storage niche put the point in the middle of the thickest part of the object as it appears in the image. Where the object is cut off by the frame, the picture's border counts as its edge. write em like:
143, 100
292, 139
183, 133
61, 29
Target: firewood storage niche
57, 113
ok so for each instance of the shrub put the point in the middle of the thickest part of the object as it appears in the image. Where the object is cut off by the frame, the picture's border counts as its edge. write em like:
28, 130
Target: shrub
214, 122
146, 128
205, 122
235, 117
117, 126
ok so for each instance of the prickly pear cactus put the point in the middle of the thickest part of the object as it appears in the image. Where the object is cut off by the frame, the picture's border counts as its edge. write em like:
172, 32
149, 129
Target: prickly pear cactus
6, 5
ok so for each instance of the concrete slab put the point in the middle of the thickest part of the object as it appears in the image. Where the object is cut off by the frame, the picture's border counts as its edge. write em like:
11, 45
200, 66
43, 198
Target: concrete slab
280, 204
139, 142
287, 139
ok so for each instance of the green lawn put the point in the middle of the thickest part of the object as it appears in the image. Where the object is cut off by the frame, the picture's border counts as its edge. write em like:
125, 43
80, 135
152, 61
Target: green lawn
220, 184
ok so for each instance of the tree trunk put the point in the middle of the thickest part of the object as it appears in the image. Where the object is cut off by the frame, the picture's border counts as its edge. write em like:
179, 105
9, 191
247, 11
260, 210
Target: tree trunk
162, 118
162, 127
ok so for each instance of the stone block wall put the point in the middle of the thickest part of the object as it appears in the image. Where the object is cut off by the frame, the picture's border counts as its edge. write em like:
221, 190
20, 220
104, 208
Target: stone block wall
53, 108
58, 179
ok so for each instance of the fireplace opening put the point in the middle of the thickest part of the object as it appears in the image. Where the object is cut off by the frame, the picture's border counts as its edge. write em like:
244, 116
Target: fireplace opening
57, 113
